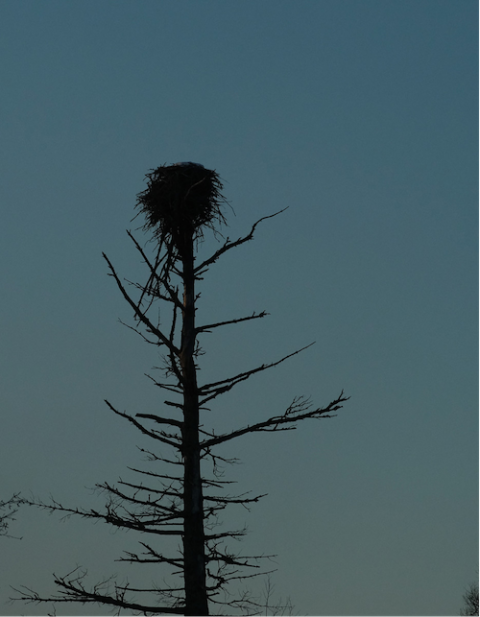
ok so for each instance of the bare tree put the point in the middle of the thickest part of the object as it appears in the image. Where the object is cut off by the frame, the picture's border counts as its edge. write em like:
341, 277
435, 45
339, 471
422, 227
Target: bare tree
274, 607
470, 597
180, 202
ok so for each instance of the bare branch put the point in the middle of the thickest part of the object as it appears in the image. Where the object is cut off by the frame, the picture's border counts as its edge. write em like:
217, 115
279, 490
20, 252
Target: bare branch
172, 404
296, 412
141, 316
219, 387
226, 534
161, 280
142, 487
238, 500
73, 590
155, 434
111, 517
230, 245
165, 386
154, 557
230, 321
172, 510
139, 333
9, 508
159, 420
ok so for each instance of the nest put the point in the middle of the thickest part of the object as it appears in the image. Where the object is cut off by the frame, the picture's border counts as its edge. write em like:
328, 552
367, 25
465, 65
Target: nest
179, 202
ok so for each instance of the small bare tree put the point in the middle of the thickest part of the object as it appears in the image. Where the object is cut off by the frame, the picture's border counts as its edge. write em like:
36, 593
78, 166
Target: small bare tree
179, 203
470, 598
271, 607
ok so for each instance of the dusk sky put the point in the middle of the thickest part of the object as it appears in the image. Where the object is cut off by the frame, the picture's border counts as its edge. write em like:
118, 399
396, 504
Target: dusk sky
361, 116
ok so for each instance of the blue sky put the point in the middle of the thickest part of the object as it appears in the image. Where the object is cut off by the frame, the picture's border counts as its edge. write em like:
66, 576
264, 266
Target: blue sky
359, 116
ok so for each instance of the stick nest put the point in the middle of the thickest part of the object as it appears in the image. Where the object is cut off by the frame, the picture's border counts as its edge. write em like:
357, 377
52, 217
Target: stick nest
179, 202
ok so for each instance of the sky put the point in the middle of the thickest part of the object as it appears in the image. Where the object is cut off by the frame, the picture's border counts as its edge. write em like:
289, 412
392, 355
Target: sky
361, 117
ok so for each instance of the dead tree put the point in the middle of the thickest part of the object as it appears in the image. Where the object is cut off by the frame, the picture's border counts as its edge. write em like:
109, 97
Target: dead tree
470, 598
180, 202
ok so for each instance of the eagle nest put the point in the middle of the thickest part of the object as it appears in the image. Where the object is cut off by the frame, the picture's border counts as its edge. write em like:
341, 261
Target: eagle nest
179, 202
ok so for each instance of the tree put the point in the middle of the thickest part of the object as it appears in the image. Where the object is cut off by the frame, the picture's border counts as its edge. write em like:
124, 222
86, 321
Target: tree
179, 203
279, 607
470, 598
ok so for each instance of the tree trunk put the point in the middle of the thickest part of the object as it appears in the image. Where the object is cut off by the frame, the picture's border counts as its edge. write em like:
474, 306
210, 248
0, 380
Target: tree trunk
193, 537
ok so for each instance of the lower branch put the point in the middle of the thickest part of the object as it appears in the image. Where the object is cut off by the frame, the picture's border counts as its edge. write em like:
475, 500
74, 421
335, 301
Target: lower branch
73, 590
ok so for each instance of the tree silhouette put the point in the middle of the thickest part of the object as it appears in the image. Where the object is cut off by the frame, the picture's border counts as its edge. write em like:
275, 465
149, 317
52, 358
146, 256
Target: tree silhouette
470, 597
179, 203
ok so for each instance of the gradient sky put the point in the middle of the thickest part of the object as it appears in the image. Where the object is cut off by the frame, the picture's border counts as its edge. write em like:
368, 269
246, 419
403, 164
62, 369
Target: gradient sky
361, 116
